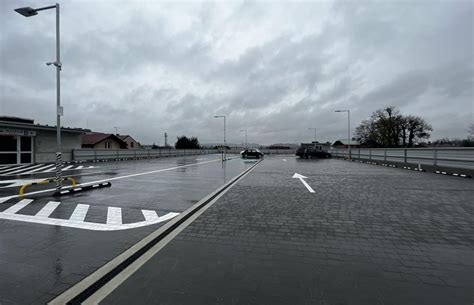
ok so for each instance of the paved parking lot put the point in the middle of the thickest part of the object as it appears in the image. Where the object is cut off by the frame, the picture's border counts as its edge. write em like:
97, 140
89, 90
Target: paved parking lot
367, 235
337, 232
48, 244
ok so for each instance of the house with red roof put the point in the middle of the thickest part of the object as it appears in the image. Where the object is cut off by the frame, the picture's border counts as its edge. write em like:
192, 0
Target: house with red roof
102, 140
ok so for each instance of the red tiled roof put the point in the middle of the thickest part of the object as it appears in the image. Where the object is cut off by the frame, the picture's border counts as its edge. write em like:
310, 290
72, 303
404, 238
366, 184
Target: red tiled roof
93, 138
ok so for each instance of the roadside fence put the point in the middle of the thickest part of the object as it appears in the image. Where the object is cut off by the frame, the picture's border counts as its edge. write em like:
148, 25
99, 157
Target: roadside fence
452, 157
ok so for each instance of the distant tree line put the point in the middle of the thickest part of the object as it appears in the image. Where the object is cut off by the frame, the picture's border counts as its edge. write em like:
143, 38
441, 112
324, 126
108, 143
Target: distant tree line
387, 127
184, 142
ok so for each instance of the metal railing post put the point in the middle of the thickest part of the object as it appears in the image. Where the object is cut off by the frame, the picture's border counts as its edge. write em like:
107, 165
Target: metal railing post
435, 157
405, 155
385, 155
359, 154
370, 154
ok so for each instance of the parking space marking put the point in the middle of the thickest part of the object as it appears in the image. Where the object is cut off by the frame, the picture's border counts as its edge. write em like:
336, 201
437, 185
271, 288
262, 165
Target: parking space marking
16, 170
76, 220
18, 206
150, 215
37, 169
17, 182
48, 209
114, 178
114, 216
80, 212
12, 167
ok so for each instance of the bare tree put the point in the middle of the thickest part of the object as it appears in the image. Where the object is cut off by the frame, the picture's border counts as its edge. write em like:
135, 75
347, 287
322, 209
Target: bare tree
470, 131
388, 128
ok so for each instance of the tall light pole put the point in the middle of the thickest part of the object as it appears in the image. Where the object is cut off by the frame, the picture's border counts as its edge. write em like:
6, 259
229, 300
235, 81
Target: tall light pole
314, 134
245, 137
28, 12
348, 129
225, 142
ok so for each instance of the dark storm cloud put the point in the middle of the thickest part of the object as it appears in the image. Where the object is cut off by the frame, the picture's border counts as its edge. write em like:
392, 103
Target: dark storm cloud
273, 68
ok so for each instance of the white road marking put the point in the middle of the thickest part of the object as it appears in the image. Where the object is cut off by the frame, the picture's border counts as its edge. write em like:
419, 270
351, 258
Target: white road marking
11, 168
301, 177
83, 224
114, 178
150, 215
37, 169
16, 170
67, 167
79, 213
114, 216
2, 200
48, 209
18, 182
18, 206
284, 160
51, 169
80, 167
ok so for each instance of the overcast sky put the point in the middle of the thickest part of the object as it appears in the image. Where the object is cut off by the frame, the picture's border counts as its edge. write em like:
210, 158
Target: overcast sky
274, 68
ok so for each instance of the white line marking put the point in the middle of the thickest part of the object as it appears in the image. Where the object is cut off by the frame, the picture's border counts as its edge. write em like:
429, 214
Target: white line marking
301, 177
51, 169
80, 167
21, 170
115, 178
48, 209
2, 200
150, 215
18, 182
79, 213
13, 167
37, 169
18, 206
83, 224
114, 216
67, 167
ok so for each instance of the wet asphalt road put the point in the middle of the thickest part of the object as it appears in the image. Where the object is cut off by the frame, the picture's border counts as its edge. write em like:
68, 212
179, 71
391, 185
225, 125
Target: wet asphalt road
367, 235
38, 261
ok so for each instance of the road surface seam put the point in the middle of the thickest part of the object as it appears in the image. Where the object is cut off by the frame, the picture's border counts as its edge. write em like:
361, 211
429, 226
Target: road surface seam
91, 284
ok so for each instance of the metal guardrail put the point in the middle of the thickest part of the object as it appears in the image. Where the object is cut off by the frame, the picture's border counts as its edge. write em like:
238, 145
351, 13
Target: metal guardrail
89, 154
265, 151
458, 157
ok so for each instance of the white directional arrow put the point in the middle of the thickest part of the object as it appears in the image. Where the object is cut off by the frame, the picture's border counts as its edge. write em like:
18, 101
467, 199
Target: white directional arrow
301, 177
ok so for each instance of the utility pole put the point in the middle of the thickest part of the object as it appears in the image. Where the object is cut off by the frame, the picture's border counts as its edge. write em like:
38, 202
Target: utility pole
166, 139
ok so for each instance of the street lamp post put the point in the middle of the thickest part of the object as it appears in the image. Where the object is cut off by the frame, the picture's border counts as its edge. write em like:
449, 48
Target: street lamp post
245, 137
348, 129
225, 142
29, 12
314, 134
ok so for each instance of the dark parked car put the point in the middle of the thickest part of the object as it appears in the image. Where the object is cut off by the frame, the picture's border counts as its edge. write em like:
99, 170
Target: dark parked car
313, 151
254, 153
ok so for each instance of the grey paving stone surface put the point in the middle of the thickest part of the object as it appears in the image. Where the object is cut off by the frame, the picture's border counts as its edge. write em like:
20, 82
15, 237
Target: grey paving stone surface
368, 235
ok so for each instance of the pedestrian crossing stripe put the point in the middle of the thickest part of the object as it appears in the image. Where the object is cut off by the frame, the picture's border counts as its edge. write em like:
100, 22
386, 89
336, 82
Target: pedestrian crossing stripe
77, 218
14, 170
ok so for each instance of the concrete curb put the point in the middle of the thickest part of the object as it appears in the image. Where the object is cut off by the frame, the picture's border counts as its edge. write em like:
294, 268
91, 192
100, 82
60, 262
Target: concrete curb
456, 172
92, 283
82, 189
